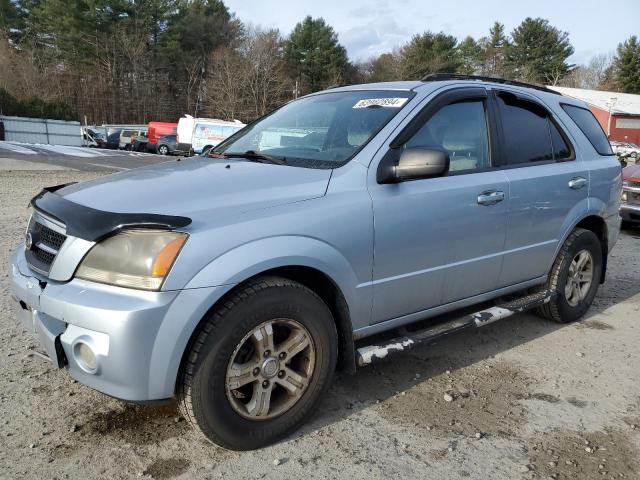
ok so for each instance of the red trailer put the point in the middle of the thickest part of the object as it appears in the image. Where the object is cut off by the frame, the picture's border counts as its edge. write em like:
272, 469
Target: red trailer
158, 130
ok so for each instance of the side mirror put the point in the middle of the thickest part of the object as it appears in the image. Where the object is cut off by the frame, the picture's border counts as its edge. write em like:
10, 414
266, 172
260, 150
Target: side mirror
414, 163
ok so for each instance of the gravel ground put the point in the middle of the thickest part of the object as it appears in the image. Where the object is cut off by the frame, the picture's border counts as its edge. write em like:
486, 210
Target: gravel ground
525, 398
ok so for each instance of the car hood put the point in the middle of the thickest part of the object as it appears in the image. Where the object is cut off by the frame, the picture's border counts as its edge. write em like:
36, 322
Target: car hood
632, 173
200, 188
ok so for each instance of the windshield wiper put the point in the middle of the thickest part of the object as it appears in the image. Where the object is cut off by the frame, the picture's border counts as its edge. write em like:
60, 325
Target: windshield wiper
251, 155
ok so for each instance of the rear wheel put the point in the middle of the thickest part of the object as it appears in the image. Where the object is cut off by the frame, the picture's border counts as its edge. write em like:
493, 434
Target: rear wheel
574, 277
258, 364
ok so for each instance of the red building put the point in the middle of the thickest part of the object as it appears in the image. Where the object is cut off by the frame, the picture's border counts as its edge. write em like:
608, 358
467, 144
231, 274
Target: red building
618, 113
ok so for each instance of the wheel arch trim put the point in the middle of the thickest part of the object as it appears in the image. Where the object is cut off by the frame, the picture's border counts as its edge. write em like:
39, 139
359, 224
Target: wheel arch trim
593, 213
267, 256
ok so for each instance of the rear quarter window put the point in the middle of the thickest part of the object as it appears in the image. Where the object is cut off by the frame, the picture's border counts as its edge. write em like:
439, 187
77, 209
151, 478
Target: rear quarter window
586, 121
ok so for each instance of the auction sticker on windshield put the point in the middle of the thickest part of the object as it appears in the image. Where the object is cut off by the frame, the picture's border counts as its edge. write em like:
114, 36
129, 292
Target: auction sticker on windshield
395, 102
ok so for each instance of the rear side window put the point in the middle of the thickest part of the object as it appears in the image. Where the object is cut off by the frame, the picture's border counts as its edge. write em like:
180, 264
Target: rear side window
586, 122
561, 150
526, 131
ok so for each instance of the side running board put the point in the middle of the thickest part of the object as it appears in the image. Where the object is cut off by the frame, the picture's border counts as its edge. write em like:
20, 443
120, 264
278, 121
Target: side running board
372, 353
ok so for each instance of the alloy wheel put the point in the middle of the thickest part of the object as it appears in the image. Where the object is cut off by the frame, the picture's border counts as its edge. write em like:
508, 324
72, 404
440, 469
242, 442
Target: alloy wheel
579, 278
270, 369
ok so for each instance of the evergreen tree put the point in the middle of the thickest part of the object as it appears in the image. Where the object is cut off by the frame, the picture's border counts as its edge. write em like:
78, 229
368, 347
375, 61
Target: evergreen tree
494, 51
626, 66
10, 18
470, 54
538, 52
429, 53
314, 55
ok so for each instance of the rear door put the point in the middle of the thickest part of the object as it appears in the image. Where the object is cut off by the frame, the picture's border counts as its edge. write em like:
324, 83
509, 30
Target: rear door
548, 185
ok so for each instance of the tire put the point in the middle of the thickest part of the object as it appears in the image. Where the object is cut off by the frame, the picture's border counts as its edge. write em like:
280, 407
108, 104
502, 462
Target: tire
565, 309
163, 150
204, 392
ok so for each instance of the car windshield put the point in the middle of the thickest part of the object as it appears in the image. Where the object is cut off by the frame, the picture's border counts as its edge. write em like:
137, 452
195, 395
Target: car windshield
320, 131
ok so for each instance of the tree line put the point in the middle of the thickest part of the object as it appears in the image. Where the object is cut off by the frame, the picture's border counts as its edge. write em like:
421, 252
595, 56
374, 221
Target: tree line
133, 61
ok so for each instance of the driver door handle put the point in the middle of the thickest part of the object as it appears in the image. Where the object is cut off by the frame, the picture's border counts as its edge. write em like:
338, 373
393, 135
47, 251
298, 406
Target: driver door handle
490, 197
577, 183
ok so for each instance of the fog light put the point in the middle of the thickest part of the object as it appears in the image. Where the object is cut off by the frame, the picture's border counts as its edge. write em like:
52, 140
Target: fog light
85, 357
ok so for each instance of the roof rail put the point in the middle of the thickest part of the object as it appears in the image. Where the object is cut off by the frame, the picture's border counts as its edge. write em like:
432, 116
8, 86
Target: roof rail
436, 77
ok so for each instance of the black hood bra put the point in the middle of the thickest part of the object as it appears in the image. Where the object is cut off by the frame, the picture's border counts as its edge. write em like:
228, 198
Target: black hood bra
93, 225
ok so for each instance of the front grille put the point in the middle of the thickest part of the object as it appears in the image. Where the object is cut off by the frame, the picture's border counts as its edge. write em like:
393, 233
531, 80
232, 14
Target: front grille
44, 257
45, 244
49, 237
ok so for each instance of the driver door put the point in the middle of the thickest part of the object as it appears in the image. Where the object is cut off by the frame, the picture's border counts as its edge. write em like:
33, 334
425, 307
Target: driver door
439, 240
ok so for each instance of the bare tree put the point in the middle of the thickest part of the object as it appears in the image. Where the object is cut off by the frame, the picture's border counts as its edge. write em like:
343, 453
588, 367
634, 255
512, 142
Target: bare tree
592, 75
266, 81
225, 83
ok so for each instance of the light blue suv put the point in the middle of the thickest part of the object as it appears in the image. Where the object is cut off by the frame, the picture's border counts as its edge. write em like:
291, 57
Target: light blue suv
240, 281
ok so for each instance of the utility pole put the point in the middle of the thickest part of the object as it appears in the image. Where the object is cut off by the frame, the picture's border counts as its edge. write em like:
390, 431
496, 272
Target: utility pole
611, 103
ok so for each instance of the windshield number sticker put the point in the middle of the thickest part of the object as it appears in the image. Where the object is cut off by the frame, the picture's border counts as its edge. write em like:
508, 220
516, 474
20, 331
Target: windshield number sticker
381, 102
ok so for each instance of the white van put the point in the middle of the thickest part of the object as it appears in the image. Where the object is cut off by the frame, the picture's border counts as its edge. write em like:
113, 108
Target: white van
185, 133
208, 133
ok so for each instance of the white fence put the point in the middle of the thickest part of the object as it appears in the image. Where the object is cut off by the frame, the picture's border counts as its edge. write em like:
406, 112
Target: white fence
40, 130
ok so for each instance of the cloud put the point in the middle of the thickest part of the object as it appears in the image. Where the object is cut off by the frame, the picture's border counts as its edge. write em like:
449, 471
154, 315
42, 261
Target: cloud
376, 30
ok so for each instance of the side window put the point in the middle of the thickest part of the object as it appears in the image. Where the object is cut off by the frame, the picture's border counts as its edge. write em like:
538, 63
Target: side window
561, 150
460, 129
525, 126
586, 122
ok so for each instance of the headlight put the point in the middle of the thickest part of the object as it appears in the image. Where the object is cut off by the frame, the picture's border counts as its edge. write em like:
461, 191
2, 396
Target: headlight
134, 258
623, 197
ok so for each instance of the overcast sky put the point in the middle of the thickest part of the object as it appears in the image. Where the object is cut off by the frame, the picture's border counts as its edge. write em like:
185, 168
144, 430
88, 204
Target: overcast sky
370, 27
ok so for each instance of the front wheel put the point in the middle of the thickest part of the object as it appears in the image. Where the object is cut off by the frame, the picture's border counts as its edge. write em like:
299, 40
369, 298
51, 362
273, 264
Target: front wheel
258, 364
163, 150
574, 277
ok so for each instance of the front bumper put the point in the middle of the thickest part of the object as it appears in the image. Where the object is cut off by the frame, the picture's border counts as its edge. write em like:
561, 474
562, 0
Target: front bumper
630, 207
630, 212
138, 337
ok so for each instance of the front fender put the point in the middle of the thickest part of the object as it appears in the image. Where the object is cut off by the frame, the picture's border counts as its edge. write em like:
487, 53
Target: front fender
235, 266
250, 259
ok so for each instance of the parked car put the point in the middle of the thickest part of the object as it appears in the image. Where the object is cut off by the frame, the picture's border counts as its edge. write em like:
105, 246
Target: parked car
209, 133
630, 208
127, 136
139, 143
93, 139
167, 144
113, 140
626, 149
239, 281
158, 130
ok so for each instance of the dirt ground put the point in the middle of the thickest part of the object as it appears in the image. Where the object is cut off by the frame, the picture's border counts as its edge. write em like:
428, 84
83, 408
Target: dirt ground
530, 399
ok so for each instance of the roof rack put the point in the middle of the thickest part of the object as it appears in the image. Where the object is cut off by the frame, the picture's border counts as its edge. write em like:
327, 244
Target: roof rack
436, 77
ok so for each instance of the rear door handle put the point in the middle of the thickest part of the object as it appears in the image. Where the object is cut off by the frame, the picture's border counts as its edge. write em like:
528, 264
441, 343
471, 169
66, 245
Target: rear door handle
577, 183
490, 197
